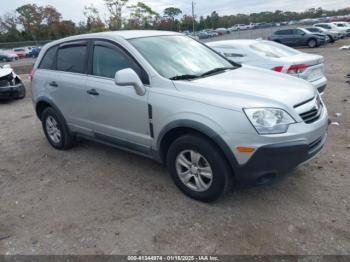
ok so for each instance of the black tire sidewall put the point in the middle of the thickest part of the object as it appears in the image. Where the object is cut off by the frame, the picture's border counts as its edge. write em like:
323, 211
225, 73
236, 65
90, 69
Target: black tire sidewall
221, 172
65, 136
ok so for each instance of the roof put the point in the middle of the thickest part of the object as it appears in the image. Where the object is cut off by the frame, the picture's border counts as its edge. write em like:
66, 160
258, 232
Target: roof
126, 34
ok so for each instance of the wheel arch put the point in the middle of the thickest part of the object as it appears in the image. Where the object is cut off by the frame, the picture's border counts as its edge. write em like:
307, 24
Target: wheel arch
179, 128
42, 104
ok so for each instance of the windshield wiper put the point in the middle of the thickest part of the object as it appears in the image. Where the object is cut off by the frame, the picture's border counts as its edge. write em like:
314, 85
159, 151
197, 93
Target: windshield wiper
183, 77
216, 70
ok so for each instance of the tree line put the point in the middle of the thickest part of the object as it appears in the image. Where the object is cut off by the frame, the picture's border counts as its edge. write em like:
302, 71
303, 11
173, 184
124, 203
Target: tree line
31, 22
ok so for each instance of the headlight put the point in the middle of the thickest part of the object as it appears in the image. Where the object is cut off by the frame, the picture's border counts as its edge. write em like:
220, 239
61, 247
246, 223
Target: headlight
269, 120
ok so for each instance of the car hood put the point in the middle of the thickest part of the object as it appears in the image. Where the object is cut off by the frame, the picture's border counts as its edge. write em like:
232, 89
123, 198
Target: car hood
248, 86
5, 71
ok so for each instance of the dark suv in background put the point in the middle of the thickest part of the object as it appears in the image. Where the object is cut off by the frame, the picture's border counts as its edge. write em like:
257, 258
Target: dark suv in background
298, 37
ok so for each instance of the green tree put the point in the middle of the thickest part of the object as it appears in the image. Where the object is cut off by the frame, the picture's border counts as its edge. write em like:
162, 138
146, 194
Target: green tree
171, 13
31, 16
142, 16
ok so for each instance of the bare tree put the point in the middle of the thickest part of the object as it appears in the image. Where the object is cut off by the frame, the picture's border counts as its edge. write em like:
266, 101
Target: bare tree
115, 8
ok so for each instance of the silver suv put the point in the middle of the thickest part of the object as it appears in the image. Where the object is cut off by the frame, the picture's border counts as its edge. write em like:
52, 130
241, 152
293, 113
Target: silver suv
166, 96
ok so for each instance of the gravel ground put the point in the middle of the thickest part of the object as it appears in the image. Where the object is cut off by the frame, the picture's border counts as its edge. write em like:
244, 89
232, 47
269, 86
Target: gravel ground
95, 199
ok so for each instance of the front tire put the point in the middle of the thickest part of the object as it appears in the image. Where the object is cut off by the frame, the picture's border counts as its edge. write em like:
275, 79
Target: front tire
331, 39
312, 43
56, 130
199, 168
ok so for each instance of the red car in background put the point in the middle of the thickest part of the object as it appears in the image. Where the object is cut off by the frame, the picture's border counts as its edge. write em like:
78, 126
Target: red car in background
20, 52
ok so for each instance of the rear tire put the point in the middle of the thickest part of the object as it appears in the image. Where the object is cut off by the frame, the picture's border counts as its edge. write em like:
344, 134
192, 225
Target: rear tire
56, 130
199, 168
312, 43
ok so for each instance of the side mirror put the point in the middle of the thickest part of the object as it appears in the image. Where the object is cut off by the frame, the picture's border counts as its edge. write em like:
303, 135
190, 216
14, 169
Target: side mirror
128, 77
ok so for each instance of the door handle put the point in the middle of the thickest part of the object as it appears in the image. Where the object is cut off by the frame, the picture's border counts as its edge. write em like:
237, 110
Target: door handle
92, 92
53, 83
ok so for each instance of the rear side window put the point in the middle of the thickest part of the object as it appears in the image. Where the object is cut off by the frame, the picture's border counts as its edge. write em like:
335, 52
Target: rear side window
107, 61
325, 26
284, 32
298, 32
48, 60
72, 58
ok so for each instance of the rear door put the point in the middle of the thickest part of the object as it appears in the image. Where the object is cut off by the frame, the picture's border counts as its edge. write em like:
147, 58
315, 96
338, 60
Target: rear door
285, 36
67, 84
299, 37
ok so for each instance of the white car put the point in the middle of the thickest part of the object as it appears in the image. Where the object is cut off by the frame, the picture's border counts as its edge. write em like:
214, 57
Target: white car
343, 26
242, 27
274, 56
331, 26
7, 56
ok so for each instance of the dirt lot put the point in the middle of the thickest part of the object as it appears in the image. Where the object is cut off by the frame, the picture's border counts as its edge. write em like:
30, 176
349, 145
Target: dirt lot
98, 200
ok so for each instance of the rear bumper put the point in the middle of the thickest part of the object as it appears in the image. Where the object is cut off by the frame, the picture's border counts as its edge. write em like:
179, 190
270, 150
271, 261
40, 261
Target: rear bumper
12, 92
273, 161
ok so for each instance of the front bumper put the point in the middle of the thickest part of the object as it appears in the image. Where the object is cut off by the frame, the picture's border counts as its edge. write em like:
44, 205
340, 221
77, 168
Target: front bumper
320, 84
272, 161
276, 155
12, 92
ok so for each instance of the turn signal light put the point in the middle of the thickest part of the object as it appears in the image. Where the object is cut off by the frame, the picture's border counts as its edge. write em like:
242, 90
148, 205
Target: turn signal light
242, 149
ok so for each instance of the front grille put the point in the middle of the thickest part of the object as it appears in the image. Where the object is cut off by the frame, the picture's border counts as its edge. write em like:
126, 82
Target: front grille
310, 116
314, 113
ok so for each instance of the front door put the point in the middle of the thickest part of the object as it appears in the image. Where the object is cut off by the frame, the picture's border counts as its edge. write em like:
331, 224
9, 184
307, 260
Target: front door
118, 115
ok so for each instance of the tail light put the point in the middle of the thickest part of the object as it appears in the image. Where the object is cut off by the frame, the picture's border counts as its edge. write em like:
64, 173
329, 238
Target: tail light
278, 68
296, 69
31, 75
293, 69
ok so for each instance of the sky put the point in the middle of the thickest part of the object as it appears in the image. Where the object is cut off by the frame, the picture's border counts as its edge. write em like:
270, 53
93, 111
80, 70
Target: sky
73, 9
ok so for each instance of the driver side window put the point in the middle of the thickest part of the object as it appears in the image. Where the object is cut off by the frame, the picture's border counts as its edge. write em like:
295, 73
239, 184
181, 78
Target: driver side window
107, 61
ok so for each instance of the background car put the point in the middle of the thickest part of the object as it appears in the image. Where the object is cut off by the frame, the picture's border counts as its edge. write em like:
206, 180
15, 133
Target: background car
331, 26
20, 52
317, 33
34, 52
333, 35
274, 56
7, 56
297, 37
11, 86
343, 26
222, 31
242, 27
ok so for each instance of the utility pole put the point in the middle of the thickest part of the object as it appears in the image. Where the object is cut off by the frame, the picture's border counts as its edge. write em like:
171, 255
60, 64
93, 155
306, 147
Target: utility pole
193, 19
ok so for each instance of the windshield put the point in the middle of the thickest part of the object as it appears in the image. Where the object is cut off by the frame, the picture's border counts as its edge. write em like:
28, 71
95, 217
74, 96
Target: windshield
175, 56
271, 49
